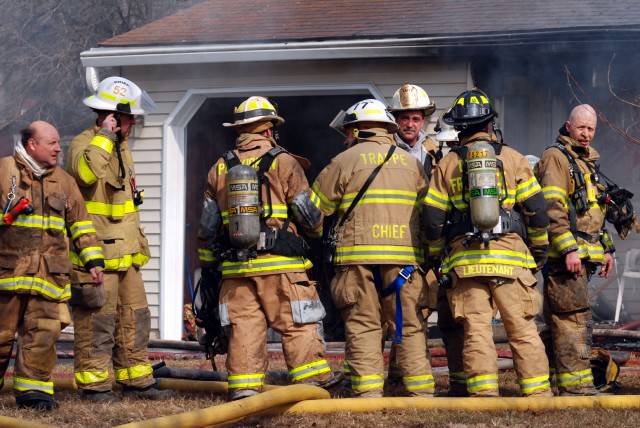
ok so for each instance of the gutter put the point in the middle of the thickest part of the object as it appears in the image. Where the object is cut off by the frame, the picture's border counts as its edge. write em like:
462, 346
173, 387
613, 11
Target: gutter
345, 49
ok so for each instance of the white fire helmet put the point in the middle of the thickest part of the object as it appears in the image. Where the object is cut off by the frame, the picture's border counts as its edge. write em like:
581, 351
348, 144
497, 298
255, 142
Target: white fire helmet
255, 109
445, 133
122, 95
369, 110
412, 97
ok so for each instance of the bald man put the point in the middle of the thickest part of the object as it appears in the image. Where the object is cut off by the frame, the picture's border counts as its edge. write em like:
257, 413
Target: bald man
40, 203
579, 244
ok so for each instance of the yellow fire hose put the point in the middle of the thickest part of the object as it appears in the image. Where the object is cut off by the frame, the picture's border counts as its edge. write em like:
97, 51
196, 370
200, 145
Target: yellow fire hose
363, 405
278, 400
7, 422
236, 409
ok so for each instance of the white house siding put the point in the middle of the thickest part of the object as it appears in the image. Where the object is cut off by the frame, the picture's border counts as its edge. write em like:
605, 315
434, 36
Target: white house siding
167, 85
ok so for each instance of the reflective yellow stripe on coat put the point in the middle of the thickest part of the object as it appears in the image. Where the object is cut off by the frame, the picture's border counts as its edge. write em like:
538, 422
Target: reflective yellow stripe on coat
39, 285
265, 264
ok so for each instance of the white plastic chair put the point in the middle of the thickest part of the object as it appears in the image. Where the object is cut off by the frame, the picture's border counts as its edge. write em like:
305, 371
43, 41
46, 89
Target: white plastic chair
631, 271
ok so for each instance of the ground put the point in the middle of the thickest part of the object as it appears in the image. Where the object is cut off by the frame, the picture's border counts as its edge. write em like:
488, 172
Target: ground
76, 413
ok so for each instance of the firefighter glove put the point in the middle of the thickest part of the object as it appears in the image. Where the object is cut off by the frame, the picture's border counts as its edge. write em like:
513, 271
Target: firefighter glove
540, 256
432, 263
88, 296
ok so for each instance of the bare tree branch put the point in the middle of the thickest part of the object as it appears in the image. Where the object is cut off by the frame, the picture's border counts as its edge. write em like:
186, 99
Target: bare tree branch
571, 82
609, 84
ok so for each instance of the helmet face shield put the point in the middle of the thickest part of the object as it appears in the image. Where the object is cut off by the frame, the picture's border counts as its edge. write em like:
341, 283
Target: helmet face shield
146, 103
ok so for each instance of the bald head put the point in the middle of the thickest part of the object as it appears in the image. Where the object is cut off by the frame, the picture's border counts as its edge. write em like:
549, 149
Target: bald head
581, 124
42, 142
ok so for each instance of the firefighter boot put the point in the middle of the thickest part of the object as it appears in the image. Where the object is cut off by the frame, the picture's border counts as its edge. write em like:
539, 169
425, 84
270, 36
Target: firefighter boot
336, 378
101, 397
36, 400
239, 394
147, 393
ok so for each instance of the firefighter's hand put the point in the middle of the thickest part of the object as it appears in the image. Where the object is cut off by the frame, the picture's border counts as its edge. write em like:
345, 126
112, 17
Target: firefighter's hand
110, 124
97, 275
607, 266
573, 262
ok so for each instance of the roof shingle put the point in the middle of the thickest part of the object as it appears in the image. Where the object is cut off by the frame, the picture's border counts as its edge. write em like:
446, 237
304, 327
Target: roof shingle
256, 21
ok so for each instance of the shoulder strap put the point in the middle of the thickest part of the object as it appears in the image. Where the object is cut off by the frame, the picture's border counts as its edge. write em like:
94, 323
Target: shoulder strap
267, 159
364, 188
428, 168
265, 163
230, 159
573, 165
574, 171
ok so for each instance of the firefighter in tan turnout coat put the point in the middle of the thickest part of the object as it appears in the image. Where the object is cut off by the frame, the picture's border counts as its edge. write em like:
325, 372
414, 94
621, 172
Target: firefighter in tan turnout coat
496, 269
269, 287
377, 249
579, 244
115, 326
40, 203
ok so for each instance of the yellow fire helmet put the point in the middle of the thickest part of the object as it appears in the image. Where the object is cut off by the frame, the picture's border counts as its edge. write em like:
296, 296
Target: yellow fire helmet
255, 109
604, 369
412, 97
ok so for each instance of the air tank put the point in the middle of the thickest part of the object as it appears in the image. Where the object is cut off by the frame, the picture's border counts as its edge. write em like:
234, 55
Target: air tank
244, 206
484, 202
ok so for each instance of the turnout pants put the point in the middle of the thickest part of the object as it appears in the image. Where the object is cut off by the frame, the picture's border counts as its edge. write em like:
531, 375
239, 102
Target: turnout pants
518, 302
569, 326
289, 304
38, 323
117, 331
453, 339
364, 311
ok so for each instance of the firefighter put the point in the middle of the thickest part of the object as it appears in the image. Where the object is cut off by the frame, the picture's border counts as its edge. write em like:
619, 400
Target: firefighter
377, 252
579, 244
487, 260
40, 203
411, 108
452, 331
264, 283
118, 330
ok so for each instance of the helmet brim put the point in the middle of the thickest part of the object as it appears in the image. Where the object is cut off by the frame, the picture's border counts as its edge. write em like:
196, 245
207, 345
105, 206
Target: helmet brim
428, 110
277, 119
98, 104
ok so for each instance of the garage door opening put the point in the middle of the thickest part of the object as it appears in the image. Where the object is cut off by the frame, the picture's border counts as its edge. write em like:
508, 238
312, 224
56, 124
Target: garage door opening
306, 133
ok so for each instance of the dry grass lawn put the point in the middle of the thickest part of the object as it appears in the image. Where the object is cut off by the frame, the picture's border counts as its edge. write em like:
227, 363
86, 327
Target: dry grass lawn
76, 413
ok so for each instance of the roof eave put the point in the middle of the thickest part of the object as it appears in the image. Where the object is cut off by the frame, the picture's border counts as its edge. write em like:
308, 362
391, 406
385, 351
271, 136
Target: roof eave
337, 49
